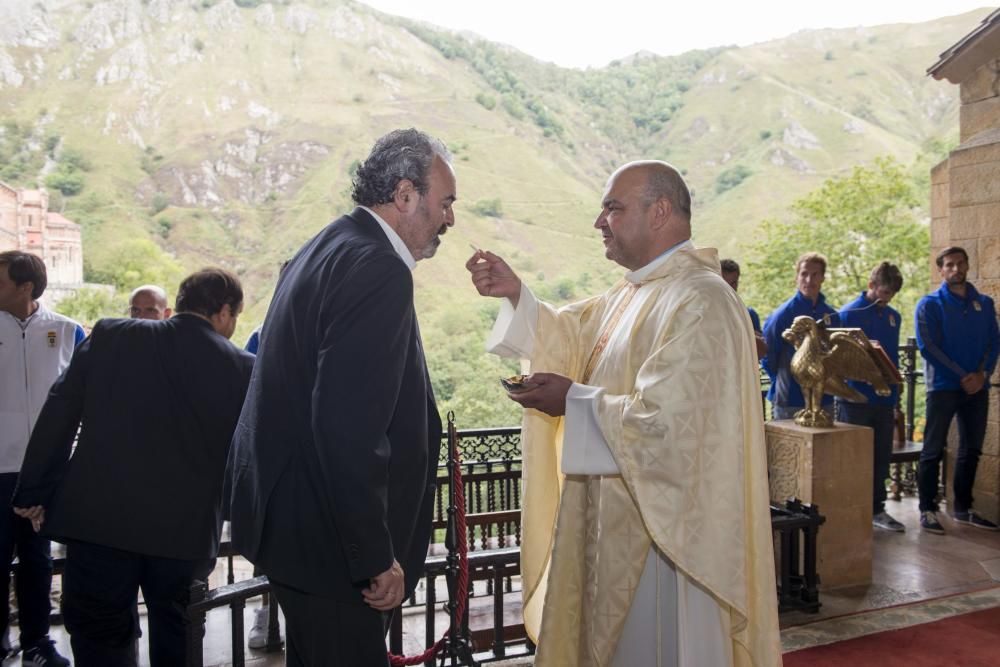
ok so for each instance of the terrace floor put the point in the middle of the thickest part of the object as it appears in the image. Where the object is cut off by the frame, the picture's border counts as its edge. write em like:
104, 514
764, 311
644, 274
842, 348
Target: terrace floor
908, 567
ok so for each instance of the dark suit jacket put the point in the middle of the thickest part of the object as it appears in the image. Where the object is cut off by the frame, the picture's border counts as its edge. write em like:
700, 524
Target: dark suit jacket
158, 403
333, 462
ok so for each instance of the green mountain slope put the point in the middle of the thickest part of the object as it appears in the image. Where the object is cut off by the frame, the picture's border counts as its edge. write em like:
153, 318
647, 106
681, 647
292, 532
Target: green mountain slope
225, 132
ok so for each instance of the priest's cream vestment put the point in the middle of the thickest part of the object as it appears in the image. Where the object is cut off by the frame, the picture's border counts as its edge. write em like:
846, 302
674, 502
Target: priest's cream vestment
646, 507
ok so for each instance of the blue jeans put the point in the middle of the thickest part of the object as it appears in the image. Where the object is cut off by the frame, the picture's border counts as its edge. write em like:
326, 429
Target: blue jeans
881, 419
971, 411
34, 570
784, 411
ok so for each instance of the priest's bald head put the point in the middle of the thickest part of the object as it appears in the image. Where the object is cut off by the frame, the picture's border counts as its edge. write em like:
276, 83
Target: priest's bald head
646, 210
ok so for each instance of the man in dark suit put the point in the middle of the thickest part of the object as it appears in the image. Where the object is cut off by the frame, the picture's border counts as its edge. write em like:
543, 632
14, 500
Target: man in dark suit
334, 459
138, 503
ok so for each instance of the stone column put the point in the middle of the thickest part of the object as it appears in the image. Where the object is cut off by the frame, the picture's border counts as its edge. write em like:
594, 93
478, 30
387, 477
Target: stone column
832, 468
965, 211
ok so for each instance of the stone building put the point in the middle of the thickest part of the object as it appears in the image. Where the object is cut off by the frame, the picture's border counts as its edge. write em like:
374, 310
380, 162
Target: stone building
965, 202
27, 224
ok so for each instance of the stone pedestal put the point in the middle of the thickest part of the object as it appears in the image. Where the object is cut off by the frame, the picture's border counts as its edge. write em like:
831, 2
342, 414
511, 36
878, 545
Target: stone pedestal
831, 468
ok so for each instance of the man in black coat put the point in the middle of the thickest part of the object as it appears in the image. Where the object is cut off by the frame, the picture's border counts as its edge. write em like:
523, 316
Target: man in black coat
138, 503
334, 459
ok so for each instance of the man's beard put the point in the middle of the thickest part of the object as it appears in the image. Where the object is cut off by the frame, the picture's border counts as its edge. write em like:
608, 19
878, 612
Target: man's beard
956, 279
431, 248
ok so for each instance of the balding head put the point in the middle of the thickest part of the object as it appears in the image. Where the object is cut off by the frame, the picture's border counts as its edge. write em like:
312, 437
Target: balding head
646, 210
148, 302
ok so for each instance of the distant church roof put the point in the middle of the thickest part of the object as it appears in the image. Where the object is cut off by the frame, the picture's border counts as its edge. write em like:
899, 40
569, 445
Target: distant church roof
57, 220
978, 47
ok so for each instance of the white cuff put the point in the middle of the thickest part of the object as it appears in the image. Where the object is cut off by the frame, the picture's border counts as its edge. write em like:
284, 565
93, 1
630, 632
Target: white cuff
513, 333
585, 451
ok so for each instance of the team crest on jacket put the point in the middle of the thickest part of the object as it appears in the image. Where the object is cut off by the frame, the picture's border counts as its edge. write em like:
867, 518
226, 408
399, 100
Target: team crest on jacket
977, 306
52, 338
892, 320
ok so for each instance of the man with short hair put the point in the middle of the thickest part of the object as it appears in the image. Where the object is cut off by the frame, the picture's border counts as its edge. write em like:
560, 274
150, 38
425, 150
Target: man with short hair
36, 345
334, 462
149, 302
138, 504
731, 274
785, 393
959, 340
651, 543
871, 313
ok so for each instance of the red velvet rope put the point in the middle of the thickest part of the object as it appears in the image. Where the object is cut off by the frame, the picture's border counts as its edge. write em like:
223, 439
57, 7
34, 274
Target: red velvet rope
462, 589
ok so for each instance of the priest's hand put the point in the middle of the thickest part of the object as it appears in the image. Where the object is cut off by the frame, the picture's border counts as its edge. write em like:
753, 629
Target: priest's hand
493, 277
385, 591
546, 392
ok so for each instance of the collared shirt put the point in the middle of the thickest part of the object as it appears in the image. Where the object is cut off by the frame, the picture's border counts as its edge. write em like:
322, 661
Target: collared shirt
956, 336
785, 391
879, 323
394, 239
641, 274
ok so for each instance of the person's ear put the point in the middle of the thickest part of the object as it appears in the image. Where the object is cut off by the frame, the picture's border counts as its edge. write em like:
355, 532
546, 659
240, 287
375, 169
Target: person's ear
663, 209
405, 195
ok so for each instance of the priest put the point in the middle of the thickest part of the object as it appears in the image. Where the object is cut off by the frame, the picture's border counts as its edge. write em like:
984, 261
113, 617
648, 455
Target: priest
646, 536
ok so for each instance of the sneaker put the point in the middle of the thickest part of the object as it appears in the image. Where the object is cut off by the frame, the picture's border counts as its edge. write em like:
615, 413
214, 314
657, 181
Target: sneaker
885, 522
43, 654
930, 523
972, 518
261, 626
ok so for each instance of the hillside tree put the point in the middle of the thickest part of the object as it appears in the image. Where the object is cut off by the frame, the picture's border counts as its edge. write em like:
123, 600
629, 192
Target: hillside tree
857, 221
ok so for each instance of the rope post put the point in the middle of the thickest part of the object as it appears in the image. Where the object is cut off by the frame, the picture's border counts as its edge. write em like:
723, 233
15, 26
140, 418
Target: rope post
455, 642
455, 541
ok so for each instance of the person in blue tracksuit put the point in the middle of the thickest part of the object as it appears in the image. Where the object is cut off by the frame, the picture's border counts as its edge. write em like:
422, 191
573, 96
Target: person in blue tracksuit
785, 393
731, 274
958, 338
871, 313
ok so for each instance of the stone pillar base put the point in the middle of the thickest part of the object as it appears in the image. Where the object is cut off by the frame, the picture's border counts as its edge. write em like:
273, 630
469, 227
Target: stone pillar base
831, 468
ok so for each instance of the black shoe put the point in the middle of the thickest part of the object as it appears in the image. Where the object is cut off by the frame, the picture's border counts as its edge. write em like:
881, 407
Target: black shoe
930, 523
972, 518
43, 654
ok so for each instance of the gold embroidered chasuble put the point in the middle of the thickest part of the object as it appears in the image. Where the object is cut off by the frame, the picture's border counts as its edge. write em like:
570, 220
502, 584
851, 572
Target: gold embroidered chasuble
681, 413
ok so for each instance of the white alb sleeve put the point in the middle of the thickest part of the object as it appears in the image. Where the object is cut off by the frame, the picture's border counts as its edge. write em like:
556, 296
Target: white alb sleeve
513, 333
585, 450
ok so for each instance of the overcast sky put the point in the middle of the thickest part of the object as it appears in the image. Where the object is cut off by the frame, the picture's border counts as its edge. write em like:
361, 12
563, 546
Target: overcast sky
582, 34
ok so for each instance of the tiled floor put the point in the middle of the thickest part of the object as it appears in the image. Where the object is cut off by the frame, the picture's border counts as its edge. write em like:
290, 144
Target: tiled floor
913, 566
908, 567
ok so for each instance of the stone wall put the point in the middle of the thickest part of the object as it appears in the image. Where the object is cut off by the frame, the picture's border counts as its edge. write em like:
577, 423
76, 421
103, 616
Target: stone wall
965, 211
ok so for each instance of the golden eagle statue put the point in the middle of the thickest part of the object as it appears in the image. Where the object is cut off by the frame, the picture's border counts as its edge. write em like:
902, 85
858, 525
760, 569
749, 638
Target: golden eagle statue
826, 358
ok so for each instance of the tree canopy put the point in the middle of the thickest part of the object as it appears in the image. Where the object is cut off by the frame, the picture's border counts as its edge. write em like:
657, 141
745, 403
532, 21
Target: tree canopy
857, 221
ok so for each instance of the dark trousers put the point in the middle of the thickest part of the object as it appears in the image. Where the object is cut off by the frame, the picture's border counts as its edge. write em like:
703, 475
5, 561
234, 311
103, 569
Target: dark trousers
971, 411
100, 589
322, 632
34, 570
881, 420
